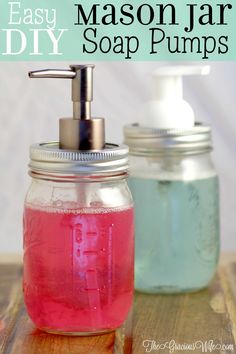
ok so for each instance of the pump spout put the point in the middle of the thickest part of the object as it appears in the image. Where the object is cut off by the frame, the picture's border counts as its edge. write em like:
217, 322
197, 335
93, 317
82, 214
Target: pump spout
82, 132
82, 86
52, 74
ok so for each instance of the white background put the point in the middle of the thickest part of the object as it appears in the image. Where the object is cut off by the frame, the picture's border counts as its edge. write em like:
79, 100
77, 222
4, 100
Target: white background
29, 112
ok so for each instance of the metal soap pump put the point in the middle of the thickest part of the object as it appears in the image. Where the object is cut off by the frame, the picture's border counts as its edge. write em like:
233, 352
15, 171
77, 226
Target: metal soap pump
78, 223
80, 132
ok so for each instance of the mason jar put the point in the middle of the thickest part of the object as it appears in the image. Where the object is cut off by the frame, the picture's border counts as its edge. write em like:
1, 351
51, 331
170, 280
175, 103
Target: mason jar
78, 240
176, 196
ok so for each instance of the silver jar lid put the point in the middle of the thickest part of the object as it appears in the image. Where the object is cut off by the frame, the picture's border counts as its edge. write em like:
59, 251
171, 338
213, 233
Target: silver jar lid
47, 158
149, 141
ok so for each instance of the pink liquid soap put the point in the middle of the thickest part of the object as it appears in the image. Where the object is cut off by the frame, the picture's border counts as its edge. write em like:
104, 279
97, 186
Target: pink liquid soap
78, 269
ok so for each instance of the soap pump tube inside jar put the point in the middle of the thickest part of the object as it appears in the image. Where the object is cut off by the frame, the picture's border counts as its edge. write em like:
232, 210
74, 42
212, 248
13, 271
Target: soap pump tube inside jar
78, 223
175, 189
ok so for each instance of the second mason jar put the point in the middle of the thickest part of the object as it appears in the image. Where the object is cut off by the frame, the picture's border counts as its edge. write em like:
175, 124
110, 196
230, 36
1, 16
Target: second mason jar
176, 195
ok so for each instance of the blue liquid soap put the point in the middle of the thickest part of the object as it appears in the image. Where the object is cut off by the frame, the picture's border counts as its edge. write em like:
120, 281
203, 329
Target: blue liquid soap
177, 234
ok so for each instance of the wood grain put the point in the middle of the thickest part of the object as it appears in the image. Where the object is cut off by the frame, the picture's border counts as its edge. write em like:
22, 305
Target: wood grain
187, 318
10, 302
207, 315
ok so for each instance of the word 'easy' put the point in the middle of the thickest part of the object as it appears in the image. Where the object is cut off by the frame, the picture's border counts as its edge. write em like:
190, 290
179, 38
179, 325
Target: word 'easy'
38, 17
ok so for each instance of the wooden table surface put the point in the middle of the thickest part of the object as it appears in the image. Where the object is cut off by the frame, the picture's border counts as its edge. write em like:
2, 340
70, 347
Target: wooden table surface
207, 316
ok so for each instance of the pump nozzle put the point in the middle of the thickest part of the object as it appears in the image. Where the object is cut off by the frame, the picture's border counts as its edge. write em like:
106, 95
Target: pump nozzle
168, 109
82, 132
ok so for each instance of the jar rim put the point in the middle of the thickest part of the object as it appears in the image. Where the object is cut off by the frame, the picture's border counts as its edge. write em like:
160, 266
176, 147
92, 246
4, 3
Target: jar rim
48, 159
150, 141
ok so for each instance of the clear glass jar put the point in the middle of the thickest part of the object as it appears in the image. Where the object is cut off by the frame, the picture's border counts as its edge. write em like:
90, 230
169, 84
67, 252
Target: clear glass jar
176, 196
78, 241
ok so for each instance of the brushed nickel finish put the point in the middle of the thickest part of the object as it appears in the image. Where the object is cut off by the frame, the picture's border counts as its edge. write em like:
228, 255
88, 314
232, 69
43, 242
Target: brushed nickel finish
82, 132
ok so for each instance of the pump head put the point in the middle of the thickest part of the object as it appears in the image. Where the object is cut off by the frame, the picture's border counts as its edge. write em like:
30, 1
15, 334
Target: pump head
168, 109
82, 132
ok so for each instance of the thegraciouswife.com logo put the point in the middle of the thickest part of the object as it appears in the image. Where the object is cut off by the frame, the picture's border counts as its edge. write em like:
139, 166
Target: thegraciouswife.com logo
172, 346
